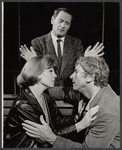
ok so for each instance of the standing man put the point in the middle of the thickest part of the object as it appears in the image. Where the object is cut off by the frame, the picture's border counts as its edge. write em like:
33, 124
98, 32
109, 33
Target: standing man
90, 78
64, 48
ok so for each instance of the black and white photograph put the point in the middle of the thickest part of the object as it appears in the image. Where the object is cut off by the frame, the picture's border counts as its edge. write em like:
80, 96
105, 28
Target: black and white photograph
60, 74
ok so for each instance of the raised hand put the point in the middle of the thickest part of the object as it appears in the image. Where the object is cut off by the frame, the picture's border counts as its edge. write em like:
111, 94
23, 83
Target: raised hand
42, 132
89, 117
80, 109
26, 53
96, 51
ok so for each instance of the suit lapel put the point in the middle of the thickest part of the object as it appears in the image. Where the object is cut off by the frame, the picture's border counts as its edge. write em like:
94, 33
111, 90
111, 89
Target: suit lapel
51, 49
97, 98
94, 103
66, 53
50, 46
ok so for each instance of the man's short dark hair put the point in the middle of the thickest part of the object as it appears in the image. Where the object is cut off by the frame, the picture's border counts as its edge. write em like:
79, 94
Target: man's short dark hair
56, 12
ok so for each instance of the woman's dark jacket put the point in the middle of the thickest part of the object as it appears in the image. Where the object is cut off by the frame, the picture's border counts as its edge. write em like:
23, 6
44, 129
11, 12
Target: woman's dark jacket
26, 107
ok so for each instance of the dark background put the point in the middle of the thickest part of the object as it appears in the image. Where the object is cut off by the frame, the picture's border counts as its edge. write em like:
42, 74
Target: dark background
93, 21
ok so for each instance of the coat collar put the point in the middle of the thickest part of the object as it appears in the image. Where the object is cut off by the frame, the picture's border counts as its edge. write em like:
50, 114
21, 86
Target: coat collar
29, 95
51, 49
97, 98
50, 46
66, 52
95, 102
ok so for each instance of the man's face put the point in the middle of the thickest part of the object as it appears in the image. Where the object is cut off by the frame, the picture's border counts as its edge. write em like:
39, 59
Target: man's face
79, 79
61, 24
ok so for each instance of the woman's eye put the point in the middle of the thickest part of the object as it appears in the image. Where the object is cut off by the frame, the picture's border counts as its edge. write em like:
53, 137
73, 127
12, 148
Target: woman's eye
51, 70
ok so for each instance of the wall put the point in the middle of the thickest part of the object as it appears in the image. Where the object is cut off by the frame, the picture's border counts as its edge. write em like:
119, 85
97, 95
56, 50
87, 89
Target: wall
25, 21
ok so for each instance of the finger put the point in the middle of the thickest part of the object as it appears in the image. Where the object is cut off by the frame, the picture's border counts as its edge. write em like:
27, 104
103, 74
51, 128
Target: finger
100, 50
32, 123
96, 45
93, 109
80, 111
100, 47
80, 105
23, 49
88, 48
101, 54
23, 56
42, 120
81, 101
31, 48
31, 130
33, 51
93, 118
96, 108
29, 127
26, 48
93, 112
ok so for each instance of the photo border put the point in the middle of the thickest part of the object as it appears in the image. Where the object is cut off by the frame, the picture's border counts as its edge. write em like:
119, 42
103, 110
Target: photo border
2, 53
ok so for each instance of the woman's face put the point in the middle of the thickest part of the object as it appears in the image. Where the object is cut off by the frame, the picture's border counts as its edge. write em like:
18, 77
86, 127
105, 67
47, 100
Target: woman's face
47, 78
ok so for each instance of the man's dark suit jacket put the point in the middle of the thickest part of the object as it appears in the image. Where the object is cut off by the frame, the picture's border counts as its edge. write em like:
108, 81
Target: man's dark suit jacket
72, 50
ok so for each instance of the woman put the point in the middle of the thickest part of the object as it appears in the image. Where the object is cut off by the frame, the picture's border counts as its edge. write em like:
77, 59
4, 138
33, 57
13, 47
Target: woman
36, 76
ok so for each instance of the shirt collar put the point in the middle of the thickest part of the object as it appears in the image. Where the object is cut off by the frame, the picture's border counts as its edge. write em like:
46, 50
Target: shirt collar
54, 38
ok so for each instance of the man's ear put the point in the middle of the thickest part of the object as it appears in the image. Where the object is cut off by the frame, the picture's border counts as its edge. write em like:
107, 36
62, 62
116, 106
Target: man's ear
89, 79
52, 19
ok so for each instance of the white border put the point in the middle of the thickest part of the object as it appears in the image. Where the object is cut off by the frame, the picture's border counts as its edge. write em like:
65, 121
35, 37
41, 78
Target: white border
2, 68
